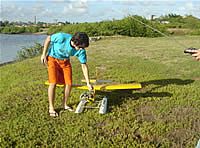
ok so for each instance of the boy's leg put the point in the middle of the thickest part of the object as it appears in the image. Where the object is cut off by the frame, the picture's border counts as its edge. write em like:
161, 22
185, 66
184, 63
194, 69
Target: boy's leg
51, 96
67, 70
67, 91
52, 73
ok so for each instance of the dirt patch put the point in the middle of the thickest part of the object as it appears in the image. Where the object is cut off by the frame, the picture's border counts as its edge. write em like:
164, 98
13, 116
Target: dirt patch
180, 137
145, 113
196, 78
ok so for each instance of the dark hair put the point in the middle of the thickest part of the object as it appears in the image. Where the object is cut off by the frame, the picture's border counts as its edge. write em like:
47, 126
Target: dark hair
80, 39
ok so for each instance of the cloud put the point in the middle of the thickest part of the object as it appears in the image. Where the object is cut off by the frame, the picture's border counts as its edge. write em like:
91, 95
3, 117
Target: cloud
189, 8
87, 10
10, 11
58, 1
76, 8
23, 11
52, 9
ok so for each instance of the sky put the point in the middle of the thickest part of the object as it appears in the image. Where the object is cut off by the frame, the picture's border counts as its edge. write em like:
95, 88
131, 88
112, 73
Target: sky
92, 10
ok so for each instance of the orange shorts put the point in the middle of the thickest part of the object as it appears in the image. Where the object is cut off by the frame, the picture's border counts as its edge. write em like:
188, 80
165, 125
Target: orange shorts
59, 71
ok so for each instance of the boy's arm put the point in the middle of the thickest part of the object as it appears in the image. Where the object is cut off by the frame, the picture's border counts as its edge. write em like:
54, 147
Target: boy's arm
86, 75
46, 45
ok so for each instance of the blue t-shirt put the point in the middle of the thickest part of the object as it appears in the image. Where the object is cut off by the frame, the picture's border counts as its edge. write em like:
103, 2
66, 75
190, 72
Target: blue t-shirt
60, 48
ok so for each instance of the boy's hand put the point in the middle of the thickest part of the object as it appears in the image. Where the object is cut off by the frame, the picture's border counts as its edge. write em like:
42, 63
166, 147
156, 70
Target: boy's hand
190, 50
90, 87
44, 59
196, 54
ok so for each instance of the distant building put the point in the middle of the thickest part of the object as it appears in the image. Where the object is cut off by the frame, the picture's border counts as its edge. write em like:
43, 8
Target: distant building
60, 23
164, 22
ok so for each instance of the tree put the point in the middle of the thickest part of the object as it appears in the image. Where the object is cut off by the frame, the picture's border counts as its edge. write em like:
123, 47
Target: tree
66, 22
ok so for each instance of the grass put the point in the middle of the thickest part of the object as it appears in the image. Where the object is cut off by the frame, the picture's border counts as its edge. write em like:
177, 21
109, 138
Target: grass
164, 113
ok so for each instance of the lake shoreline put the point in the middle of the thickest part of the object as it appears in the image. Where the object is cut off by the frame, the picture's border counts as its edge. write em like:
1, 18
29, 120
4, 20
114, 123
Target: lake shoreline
9, 62
26, 33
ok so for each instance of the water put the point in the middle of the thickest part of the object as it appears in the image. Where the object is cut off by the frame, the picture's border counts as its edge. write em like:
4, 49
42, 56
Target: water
10, 44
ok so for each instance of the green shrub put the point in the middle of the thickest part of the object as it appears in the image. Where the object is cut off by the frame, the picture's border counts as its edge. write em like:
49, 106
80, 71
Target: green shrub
130, 26
29, 52
5, 30
52, 30
32, 29
195, 32
15, 30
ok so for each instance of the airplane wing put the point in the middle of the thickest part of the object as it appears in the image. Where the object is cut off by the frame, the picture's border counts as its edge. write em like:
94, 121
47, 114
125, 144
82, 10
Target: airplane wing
106, 86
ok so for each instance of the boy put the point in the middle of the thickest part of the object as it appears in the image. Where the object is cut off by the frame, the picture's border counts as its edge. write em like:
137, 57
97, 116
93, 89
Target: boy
56, 54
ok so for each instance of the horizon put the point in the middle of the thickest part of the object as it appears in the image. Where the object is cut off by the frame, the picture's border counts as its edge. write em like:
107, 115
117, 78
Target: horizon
79, 11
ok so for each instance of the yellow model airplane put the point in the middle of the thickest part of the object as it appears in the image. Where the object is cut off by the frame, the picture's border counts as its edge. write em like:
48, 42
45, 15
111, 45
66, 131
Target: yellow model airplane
99, 85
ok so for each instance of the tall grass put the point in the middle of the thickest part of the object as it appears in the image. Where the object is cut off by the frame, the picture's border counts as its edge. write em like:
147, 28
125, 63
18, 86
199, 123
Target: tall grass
164, 113
29, 52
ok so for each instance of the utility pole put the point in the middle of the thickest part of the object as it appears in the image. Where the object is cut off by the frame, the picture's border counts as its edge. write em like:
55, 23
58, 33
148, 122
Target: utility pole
35, 20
